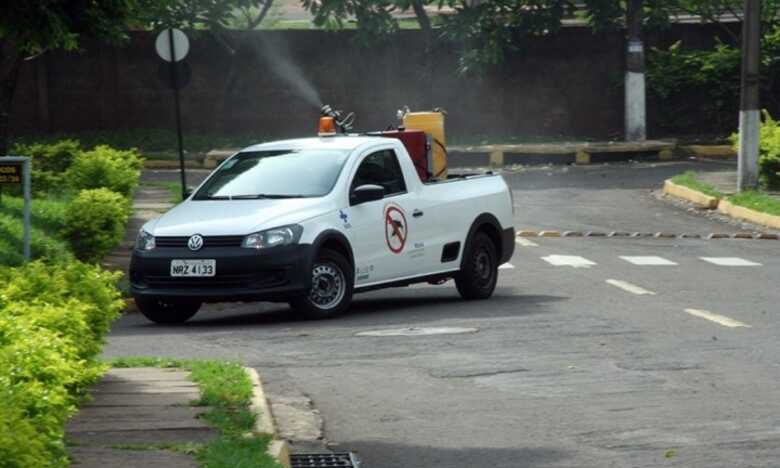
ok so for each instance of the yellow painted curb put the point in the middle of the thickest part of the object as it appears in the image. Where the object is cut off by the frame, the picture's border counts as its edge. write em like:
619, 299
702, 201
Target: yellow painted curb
169, 164
693, 196
740, 212
264, 423
550, 234
710, 151
130, 307
526, 233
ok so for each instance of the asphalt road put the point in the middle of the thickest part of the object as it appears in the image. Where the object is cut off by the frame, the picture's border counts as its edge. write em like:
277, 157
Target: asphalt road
582, 358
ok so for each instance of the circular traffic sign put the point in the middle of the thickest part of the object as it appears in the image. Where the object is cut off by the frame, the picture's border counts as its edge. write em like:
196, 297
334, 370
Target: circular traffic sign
181, 45
396, 229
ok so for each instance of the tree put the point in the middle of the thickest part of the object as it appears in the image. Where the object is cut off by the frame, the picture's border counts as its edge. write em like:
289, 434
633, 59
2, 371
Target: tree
31, 28
491, 29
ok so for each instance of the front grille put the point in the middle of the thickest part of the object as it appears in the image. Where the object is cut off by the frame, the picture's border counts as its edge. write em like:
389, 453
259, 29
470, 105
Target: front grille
208, 241
264, 279
323, 460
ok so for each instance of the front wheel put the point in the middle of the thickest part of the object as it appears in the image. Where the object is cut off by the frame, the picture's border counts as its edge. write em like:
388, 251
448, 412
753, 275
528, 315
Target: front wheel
477, 279
331, 287
167, 311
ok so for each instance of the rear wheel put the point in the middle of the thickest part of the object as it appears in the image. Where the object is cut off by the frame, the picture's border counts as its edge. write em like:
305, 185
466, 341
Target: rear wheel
331, 287
162, 310
477, 279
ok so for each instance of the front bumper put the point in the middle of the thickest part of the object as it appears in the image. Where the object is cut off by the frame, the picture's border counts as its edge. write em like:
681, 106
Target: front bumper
275, 274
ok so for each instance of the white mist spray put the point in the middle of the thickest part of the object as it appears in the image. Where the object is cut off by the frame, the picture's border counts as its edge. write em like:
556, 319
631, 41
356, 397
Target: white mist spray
277, 54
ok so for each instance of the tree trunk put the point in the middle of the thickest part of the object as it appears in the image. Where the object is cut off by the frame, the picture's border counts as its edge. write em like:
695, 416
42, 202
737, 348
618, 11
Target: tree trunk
261, 16
422, 18
10, 64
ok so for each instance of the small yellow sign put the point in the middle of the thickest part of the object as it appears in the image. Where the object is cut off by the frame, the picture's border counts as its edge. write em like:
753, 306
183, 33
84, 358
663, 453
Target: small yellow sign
10, 173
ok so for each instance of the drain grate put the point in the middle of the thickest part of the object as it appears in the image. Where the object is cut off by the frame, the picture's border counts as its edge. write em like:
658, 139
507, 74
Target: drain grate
324, 460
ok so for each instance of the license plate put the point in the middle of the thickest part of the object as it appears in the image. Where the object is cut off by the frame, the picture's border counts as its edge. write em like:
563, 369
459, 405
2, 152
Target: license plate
193, 268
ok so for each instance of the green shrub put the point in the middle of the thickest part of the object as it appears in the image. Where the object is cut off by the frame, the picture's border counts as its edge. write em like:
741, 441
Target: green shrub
53, 320
769, 152
95, 223
49, 163
105, 167
48, 219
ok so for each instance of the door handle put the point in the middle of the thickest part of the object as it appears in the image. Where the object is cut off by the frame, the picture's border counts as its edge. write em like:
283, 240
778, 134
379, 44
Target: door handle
417, 213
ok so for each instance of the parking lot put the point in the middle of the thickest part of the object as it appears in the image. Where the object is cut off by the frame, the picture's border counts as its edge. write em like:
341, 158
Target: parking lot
593, 352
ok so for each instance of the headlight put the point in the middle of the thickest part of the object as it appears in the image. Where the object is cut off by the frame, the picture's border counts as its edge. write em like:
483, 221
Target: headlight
144, 241
284, 235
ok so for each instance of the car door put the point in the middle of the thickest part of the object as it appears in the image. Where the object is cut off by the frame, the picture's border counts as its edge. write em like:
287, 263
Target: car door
380, 229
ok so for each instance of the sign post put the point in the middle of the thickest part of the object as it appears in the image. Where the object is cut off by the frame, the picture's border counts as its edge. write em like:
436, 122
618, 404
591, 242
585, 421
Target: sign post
172, 46
15, 171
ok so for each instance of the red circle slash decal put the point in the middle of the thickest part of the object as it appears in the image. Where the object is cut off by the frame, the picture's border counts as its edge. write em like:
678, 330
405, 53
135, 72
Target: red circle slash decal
396, 230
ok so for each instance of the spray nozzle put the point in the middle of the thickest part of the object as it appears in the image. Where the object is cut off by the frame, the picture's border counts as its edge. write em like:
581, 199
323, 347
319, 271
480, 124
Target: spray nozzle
343, 122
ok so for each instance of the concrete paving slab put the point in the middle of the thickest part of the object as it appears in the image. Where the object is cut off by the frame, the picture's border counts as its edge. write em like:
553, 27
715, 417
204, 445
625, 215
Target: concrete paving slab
108, 438
142, 399
99, 457
146, 387
144, 374
96, 418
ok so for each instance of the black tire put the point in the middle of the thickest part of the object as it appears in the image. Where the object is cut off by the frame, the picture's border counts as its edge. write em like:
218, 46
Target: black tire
331, 290
477, 279
167, 311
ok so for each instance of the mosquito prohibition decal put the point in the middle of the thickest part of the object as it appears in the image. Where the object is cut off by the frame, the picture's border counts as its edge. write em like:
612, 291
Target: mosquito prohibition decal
396, 229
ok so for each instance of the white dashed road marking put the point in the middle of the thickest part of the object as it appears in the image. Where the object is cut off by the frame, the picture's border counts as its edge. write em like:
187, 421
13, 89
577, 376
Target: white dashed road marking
506, 266
525, 242
632, 288
568, 260
729, 261
719, 319
649, 261
414, 331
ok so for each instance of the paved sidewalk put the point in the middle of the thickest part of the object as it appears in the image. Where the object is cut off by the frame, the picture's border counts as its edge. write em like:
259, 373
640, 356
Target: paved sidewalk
148, 203
134, 414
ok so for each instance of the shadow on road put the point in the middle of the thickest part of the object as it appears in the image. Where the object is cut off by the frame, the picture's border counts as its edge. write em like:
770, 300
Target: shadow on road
373, 309
386, 455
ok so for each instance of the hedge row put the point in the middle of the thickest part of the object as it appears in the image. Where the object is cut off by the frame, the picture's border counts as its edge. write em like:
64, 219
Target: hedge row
769, 151
53, 321
99, 183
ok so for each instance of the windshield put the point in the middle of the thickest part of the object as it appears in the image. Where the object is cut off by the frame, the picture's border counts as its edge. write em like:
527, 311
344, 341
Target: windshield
275, 174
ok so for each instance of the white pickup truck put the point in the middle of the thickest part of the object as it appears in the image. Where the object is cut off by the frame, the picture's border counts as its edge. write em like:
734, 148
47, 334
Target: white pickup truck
312, 221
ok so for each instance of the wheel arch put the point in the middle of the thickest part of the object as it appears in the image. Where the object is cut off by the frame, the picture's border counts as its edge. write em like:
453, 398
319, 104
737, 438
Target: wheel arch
334, 240
488, 224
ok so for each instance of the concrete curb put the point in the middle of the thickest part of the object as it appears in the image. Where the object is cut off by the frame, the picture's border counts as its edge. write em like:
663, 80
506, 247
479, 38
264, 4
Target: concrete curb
693, 196
264, 424
130, 307
709, 151
170, 164
756, 217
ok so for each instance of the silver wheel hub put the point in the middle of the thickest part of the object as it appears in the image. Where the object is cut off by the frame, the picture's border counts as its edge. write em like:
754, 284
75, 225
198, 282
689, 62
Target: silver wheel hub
327, 286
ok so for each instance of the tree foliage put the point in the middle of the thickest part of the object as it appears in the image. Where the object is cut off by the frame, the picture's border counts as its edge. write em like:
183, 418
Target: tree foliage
211, 15
29, 28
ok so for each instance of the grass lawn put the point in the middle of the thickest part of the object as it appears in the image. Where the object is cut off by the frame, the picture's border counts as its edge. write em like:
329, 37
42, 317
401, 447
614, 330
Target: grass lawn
688, 179
757, 201
226, 389
47, 223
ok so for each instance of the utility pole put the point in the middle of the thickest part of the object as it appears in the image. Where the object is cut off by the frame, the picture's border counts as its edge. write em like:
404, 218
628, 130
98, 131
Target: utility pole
636, 126
749, 114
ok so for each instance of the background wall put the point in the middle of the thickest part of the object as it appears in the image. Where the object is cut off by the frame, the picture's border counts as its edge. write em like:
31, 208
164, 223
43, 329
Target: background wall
566, 85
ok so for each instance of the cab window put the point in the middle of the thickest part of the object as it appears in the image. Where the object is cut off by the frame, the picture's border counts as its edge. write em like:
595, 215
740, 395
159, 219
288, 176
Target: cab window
381, 168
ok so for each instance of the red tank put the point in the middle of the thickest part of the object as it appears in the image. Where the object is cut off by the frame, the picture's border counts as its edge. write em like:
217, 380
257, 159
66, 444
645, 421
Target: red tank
416, 144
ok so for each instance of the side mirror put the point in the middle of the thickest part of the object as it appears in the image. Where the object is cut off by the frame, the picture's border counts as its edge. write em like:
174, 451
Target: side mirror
366, 193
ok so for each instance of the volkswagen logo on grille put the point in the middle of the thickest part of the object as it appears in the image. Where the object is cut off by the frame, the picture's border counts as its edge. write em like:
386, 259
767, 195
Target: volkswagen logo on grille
195, 242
